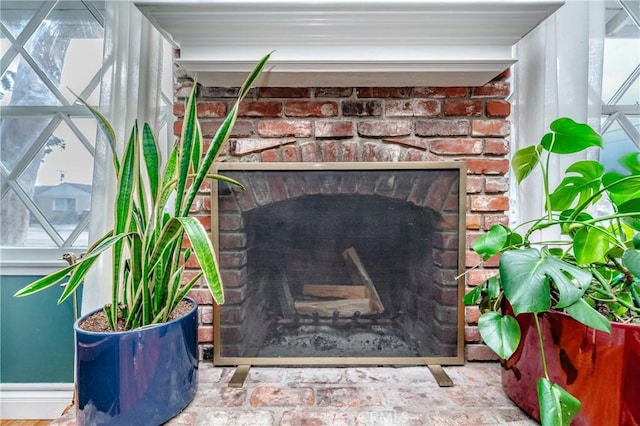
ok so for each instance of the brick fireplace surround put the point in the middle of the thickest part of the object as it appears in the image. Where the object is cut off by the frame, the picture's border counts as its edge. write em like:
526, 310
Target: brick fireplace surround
367, 124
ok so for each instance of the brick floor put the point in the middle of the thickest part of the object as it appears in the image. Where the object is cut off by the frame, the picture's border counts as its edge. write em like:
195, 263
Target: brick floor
350, 396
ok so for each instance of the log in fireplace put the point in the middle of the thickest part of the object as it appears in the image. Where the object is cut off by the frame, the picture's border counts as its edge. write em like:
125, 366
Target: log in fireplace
340, 263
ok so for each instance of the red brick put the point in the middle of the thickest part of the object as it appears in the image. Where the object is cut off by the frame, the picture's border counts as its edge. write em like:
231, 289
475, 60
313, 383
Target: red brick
491, 203
498, 109
206, 314
474, 221
480, 352
383, 92
369, 152
202, 296
362, 108
384, 128
472, 335
494, 219
474, 184
290, 154
269, 156
413, 142
350, 151
284, 128
497, 89
182, 89
310, 152
312, 417
478, 276
234, 296
222, 92
415, 155
260, 109
232, 241
232, 259
199, 204
442, 127
487, 166
412, 108
333, 92
205, 109
241, 128
465, 108
311, 109
472, 259
271, 396
249, 145
504, 75
177, 127
490, 128
211, 109
329, 151
350, 396
333, 129
284, 92
188, 275
205, 221
472, 237
472, 314
205, 334
492, 262
390, 153
496, 184
456, 146
440, 92
496, 146
229, 222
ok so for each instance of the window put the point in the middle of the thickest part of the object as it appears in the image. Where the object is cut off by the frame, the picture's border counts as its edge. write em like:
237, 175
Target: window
621, 82
50, 51
64, 204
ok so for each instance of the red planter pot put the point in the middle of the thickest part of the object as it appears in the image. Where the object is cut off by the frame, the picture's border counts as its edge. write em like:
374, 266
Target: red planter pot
602, 370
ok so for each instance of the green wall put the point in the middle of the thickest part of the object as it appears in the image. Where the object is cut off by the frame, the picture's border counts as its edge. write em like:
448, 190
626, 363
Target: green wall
36, 334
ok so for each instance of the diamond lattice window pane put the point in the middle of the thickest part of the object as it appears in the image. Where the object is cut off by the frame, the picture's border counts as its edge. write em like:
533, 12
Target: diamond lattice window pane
62, 37
17, 135
15, 15
62, 189
621, 57
616, 144
24, 86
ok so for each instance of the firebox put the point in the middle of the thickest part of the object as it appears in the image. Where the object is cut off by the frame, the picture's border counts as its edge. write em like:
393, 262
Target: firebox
340, 263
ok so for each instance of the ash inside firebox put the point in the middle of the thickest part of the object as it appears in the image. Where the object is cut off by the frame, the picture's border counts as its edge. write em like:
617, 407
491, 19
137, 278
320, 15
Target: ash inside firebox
384, 340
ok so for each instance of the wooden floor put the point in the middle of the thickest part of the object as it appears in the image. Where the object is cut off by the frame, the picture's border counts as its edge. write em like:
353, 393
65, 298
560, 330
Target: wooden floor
24, 422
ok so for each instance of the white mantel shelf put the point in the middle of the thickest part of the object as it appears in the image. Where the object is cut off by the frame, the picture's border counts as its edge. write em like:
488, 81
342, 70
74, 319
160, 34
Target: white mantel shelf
347, 42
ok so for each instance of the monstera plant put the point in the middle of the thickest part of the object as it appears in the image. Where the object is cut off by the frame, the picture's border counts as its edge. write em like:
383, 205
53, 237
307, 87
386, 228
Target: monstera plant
590, 273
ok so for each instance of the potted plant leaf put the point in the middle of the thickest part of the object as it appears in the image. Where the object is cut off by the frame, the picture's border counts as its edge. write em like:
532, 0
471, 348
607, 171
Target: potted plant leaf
564, 316
136, 359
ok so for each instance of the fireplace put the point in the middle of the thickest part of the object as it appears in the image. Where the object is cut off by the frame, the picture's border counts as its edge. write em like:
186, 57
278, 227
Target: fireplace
433, 86
340, 263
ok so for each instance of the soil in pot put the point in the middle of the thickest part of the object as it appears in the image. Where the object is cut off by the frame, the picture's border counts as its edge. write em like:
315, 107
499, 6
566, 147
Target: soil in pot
98, 323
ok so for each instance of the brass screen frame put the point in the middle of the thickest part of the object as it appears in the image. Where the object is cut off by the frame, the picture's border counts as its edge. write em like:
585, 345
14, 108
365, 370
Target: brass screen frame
458, 359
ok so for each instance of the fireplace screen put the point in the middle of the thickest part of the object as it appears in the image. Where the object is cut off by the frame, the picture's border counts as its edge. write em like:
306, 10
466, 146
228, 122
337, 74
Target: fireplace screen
340, 263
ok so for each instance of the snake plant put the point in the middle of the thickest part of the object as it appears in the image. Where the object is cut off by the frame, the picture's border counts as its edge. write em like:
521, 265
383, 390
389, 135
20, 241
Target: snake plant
151, 218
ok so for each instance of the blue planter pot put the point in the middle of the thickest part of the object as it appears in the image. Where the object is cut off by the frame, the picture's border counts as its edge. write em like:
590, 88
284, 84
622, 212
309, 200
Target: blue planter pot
137, 377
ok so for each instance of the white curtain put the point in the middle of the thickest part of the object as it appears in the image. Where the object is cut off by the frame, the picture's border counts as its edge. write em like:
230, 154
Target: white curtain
558, 74
131, 89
